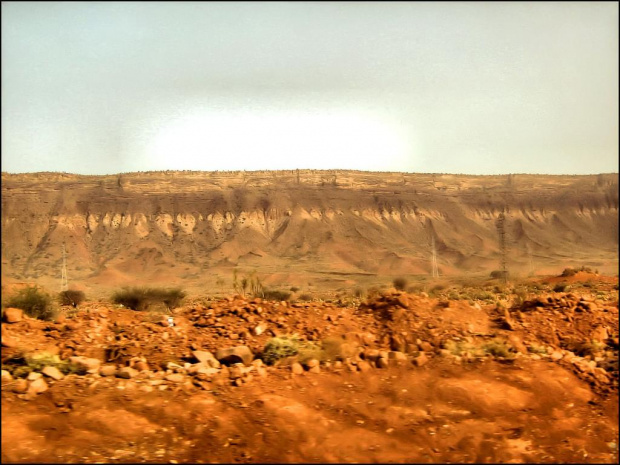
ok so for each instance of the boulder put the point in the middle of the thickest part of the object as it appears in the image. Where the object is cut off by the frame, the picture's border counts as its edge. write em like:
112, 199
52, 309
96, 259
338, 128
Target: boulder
13, 315
239, 354
296, 368
420, 360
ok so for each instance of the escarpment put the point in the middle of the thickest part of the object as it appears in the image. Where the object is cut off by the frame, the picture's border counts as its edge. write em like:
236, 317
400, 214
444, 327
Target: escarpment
186, 225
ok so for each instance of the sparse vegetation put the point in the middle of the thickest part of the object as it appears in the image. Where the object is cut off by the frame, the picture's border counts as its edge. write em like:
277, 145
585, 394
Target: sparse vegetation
21, 365
71, 297
274, 294
141, 298
400, 284
560, 287
34, 302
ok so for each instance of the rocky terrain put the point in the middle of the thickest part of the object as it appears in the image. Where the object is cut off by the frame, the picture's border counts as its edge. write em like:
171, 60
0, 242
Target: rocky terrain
314, 230
521, 374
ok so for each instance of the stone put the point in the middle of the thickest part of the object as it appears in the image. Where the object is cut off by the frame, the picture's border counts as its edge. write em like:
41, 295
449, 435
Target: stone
371, 355
600, 334
420, 360
127, 373
425, 346
37, 386
259, 329
397, 343
315, 369
20, 386
239, 354
235, 372
141, 365
6, 377
382, 362
556, 356
257, 363
205, 357
312, 363
397, 356
91, 365
13, 315
363, 366
33, 375
296, 368
175, 378
52, 372
108, 370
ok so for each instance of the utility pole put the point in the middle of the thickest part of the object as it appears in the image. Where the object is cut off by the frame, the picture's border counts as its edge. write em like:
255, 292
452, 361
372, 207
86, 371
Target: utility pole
502, 245
435, 270
64, 283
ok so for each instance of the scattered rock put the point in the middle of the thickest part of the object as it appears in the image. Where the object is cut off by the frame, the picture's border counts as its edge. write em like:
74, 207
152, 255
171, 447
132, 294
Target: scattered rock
420, 360
13, 315
52, 372
20, 386
91, 365
175, 378
37, 386
296, 368
382, 362
108, 370
127, 373
6, 376
207, 358
363, 366
239, 354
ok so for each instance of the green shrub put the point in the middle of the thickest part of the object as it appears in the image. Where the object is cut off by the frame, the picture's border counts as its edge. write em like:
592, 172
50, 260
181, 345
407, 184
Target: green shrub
498, 348
400, 284
358, 292
71, 297
21, 365
294, 289
140, 299
34, 302
277, 348
305, 297
560, 287
569, 272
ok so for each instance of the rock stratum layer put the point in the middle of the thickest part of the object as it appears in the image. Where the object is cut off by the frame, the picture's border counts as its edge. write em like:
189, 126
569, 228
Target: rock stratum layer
194, 227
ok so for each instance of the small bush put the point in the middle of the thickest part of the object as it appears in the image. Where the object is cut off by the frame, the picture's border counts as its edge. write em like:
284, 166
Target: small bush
560, 287
273, 294
358, 292
498, 348
71, 297
277, 348
400, 284
21, 365
294, 289
34, 302
305, 297
141, 299
499, 274
569, 272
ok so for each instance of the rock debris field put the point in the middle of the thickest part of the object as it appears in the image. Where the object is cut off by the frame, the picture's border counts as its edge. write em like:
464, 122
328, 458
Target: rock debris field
397, 377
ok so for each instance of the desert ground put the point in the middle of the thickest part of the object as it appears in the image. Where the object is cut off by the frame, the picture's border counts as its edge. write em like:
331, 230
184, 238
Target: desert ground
314, 326
394, 376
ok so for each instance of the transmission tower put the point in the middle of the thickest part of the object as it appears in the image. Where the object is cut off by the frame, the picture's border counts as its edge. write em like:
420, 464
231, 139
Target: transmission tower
435, 270
502, 244
64, 283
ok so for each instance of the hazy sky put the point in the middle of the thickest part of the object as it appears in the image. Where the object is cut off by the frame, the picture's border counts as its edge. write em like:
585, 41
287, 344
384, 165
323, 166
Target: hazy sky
477, 88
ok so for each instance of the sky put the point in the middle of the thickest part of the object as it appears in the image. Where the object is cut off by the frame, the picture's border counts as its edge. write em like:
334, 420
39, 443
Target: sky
428, 87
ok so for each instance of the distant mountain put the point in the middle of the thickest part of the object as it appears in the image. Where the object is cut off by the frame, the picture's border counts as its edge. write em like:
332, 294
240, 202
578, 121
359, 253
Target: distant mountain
304, 228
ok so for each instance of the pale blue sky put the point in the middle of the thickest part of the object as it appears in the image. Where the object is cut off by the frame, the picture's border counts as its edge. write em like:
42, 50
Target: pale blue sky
475, 88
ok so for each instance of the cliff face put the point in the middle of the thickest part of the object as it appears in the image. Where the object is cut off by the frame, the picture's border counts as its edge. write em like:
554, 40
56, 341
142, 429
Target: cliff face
191, 228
